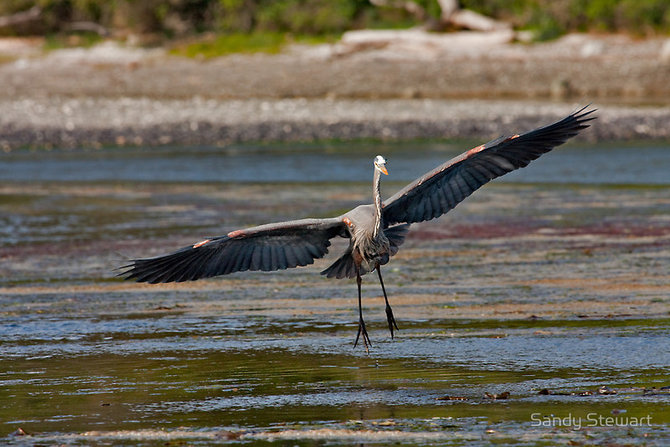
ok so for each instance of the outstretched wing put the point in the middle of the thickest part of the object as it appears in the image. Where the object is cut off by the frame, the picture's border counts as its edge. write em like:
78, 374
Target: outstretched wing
268, 247
446, 186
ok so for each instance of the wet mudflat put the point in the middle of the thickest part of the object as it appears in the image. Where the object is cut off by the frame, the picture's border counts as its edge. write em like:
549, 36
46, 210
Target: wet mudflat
535, 313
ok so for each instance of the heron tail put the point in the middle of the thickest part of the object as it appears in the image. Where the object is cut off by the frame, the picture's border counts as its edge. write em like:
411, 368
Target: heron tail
396, 236
345, 267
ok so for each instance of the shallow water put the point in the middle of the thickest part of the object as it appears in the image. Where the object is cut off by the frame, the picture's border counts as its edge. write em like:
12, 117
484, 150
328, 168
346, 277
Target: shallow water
630, 164
555, 279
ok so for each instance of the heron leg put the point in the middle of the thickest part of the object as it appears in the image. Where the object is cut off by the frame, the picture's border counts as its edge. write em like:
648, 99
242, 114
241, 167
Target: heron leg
389, 312
361, 322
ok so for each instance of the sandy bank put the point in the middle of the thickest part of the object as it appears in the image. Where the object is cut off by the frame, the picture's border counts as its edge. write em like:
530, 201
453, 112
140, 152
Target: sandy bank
433, 87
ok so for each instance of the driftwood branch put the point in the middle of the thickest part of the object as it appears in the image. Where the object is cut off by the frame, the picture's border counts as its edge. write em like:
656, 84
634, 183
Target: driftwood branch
411, 7
89, 26
35, 13
21, 17
448, 7
468, 19
452, 15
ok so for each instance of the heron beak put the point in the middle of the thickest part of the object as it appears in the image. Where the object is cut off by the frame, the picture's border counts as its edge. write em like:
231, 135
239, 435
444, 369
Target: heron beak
383, 169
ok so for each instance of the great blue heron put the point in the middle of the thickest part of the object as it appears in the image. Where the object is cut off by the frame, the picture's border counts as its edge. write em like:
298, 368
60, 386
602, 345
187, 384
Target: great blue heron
375, 231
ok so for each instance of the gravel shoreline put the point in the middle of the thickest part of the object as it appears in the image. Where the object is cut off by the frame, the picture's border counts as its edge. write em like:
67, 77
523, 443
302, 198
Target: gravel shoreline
97, 122
399, 89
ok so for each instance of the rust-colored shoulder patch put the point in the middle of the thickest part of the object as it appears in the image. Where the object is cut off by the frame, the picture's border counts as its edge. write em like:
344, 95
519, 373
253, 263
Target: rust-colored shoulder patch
348, 222
474, 150
236, 233
201, 243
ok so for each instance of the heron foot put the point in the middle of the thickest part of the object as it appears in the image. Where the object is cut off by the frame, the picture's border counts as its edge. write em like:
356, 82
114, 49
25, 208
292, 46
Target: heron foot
364, 332
390, 319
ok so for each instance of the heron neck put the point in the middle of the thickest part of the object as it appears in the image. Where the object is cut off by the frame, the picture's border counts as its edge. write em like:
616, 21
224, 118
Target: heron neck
376, 193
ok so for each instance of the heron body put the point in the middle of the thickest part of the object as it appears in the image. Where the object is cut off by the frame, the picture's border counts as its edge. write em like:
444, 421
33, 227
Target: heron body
375, 231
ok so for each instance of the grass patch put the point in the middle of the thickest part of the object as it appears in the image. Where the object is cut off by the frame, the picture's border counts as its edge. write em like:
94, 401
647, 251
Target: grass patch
213, 45
60, 41
221, 45
309, 39
5, 58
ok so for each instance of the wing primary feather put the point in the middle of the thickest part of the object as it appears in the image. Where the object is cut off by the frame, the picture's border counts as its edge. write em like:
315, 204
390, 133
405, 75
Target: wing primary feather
482, 171
274, 263
167, 269
266, 259
456, 190
463, 186
146, 270
444, 202
291, 259
297, 253
216, 264
470, 177
232, 254
241, 257
303, 256
493, 168
256, 253
281, 258
191, 268
179, 269
429, 211
417, 210
314, 250
245, 258
434, 206
225, 258
202, 264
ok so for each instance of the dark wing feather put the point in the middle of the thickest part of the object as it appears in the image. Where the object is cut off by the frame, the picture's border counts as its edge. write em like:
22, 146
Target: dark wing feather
267, 247
446, 186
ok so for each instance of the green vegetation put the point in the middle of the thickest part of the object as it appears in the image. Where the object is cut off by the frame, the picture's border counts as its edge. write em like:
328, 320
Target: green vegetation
212, 46
551, 18
55, 41
268, 19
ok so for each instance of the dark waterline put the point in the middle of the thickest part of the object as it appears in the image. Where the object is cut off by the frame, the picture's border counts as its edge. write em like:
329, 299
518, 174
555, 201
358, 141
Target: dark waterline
635, 164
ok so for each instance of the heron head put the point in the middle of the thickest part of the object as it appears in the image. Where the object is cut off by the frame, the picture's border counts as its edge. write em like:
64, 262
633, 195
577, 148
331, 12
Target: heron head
380, 165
